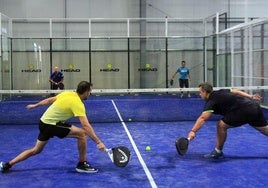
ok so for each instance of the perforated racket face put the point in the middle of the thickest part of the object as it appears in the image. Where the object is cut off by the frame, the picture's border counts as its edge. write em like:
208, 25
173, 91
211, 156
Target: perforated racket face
182, 145
121, 156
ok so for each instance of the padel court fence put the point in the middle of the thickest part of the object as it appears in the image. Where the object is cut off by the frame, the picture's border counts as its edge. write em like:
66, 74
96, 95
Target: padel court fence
140, 53
129, 53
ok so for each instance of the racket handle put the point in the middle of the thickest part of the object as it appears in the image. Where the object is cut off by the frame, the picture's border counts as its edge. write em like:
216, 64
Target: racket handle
110, 153
107, 150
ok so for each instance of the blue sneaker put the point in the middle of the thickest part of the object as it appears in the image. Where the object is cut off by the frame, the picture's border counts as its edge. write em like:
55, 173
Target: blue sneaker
4, 167
214, 155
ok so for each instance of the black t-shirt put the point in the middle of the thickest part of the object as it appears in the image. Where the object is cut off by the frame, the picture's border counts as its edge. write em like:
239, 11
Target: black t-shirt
224, 101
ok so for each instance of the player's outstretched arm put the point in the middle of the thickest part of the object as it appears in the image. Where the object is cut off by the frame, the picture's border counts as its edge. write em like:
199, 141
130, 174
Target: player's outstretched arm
199, 124
244, 94
91, 132
47, 101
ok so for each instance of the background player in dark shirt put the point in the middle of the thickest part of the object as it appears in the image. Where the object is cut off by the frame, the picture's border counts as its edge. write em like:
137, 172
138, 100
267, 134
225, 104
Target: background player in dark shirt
237, 107
56, 78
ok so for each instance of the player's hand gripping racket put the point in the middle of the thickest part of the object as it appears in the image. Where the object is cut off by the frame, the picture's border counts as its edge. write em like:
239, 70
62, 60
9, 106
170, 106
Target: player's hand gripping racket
120, 155
182, 145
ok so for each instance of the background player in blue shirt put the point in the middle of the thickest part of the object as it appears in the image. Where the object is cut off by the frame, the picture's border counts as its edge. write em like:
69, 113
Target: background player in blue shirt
184, 77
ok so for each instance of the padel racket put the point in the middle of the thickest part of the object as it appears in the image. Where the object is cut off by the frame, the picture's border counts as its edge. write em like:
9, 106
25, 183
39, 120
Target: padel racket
171, 82
120, 155
182, 145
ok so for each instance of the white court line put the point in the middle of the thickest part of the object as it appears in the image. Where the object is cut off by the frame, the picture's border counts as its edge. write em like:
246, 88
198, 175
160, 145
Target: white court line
145, 168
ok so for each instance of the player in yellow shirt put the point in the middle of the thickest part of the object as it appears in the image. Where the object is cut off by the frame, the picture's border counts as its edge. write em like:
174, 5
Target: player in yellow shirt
64, 106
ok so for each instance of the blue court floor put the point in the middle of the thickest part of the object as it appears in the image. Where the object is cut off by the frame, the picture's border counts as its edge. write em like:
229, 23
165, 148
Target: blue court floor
135, 122
245, 163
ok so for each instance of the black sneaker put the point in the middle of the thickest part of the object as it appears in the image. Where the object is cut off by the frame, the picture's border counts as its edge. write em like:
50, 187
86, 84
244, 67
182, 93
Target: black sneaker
4, 167
85, 167
214, 155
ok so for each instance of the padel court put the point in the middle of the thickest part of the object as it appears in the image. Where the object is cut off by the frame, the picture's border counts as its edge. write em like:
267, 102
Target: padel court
134, 121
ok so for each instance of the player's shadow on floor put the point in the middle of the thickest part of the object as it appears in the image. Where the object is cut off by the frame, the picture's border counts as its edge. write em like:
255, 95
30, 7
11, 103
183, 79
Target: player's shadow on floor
190, 156
50, 169
234, 157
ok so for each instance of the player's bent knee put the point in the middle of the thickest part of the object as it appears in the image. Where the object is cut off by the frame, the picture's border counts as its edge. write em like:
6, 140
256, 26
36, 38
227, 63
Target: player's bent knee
82, 134
222, 125
263, 130
35, 151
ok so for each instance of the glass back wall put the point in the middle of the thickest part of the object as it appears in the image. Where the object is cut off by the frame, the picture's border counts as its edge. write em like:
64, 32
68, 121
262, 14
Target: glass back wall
114, 63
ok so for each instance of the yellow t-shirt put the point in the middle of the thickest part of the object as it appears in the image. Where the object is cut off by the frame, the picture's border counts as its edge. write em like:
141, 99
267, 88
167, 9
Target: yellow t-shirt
67, 105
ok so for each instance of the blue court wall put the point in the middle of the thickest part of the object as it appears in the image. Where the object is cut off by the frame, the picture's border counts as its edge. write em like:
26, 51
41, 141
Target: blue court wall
101, 109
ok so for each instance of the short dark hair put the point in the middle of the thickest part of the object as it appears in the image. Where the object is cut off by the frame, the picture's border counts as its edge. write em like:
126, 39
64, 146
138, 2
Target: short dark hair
83, 86
206, 87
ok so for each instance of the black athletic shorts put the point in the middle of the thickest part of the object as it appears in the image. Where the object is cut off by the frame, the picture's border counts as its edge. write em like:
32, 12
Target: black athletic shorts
47, 131
184, 83
251, 115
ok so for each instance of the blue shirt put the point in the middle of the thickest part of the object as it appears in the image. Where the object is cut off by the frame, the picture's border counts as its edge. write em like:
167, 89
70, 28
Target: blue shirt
183, 72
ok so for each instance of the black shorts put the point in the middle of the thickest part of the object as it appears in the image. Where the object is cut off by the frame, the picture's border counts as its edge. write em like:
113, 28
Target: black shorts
48, 131
60, 85
184, 83
251, 115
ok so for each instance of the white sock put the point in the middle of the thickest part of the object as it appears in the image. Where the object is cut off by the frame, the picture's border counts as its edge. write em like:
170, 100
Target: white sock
217, 150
